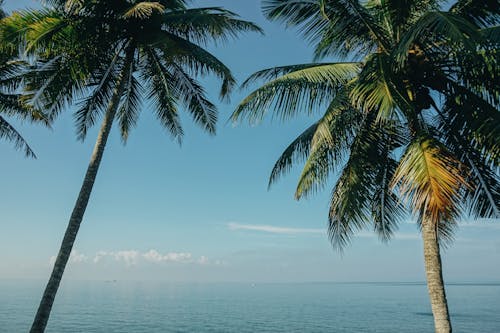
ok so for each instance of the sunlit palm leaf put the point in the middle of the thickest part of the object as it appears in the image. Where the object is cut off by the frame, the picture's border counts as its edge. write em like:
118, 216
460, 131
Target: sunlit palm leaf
377, 88
430, 180
143, 10
299, 91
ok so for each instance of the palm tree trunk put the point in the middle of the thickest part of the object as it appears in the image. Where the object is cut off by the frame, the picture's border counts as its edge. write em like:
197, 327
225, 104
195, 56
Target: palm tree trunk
435, 284
43, 312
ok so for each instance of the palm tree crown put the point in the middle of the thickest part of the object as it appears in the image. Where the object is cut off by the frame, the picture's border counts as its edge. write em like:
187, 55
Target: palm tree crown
414, 113
83, 47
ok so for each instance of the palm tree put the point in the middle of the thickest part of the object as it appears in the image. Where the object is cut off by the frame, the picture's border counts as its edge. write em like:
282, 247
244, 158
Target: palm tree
11, 105
115, 54
411, 122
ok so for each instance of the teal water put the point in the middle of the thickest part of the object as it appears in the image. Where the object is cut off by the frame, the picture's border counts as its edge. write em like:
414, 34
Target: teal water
112, 307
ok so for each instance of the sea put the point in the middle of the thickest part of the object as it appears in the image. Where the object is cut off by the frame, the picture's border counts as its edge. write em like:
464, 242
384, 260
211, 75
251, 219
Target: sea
124, 306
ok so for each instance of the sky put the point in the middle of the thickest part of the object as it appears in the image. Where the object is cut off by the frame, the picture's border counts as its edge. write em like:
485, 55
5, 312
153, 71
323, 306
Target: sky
201, 212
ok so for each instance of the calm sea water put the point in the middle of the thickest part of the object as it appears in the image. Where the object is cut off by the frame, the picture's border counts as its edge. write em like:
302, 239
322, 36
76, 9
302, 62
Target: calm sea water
112, 307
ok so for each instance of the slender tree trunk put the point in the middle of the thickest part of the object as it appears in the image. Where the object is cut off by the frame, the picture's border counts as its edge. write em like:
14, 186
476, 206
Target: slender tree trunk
435, 284
43, 313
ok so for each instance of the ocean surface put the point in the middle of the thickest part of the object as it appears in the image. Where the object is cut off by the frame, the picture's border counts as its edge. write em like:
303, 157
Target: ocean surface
112, 307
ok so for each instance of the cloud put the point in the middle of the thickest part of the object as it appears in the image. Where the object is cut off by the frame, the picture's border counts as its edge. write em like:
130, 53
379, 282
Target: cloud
74, 257
291, 231
274, 229
129, 257
99, 255
155, 256
133, 257
203, 260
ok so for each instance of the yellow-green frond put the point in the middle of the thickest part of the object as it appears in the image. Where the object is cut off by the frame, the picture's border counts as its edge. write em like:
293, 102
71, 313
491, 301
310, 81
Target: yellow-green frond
144, 10
430, 179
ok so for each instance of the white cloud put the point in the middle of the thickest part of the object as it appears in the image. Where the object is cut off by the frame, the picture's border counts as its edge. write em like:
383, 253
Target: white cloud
220, 263
99, 255
155, 256
284, 230
74, 257
289, 231
133, 257
203, 260
274, 229
129, 256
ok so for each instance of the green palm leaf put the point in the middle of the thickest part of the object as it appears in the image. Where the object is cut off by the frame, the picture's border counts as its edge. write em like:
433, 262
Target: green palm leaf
9, 133
202, 25
305, 88
158, 79
442, 27
128, 112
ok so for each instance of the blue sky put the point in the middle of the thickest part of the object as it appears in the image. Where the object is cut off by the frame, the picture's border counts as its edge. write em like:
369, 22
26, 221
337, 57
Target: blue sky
201, 211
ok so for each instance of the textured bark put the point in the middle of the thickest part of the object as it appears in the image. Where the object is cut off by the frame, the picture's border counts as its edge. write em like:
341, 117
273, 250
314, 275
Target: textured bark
43, 312
435, 282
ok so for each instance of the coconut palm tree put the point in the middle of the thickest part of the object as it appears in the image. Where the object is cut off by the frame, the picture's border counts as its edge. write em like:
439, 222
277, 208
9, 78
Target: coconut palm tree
116, 54
411, 116
11, 105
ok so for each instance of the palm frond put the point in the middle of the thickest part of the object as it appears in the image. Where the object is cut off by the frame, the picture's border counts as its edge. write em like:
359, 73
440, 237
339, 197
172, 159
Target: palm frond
351, 29
350, 204
361, 187
192, 94
102, 92
9, 133
483, 197
399, 15
377, 88
447, 28
128, 112
491, 34
196, 59
158, 78
430, 180
482, 13
386, 208
204, 25
299, 91
330, 143
337, 27
38, 30
275, 72
143, 10
471, 117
